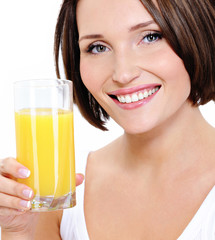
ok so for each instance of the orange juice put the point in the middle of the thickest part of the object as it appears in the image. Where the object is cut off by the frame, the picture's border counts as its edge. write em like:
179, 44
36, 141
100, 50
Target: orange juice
45, 145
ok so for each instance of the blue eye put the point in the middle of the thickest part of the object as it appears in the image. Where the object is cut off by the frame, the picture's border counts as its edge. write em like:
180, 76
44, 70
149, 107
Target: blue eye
97, 48
152, 37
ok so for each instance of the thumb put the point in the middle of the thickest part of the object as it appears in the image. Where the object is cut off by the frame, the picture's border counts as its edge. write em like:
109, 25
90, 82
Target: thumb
79, 179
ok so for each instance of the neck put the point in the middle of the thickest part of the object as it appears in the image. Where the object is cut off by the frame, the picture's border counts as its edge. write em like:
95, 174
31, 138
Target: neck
176, 141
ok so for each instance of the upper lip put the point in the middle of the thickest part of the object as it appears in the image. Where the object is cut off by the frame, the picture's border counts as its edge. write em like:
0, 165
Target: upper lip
133, 89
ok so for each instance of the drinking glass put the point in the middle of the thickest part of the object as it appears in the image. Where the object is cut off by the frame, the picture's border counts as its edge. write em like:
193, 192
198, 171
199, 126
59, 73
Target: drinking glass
45, 141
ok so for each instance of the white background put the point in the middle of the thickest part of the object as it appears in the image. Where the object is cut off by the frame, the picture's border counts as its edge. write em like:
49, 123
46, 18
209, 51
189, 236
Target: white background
26, 51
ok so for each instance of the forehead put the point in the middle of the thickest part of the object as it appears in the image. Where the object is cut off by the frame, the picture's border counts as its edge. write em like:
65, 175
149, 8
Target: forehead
102, 15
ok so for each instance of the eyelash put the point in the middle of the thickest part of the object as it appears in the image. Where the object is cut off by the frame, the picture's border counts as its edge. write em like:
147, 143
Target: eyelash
156, 35
92, 46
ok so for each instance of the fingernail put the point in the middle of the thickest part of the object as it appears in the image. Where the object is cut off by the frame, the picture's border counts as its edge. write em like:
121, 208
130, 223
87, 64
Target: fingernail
24, 172
27, 193
25, 204
80, 176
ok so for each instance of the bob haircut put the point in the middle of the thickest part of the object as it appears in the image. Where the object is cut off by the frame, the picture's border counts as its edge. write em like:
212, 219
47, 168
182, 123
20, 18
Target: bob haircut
187, 25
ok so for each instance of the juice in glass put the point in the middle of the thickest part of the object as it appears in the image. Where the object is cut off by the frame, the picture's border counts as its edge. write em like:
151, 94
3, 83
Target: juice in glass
45, 145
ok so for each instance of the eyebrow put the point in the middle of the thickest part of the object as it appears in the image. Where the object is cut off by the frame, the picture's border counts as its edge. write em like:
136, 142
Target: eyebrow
140, 25
131, 29
91, 36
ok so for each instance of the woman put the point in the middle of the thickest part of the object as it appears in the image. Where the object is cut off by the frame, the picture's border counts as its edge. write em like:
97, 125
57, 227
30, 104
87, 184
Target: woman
149, 70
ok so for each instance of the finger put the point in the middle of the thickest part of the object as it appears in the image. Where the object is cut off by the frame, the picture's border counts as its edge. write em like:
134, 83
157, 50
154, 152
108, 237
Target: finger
12, 167
79, 179
11, 187
14, 202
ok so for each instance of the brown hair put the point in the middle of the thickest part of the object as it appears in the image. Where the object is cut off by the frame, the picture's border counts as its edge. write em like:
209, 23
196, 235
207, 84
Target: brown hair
188, 26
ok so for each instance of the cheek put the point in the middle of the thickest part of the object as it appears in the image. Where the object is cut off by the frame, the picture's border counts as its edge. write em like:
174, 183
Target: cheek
178, 79
88, 75
171, 70
94, 73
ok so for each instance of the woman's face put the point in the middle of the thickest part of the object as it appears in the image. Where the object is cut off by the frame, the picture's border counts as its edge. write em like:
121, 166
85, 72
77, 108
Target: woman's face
128, 66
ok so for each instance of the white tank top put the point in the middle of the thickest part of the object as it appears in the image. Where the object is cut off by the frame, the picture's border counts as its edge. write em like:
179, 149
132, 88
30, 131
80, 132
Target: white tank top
201, 227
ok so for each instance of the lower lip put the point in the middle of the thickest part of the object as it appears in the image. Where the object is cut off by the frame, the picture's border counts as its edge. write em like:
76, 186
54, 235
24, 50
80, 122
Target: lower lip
134, 105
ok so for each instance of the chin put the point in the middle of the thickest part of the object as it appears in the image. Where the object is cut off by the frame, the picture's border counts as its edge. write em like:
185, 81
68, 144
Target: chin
137, 128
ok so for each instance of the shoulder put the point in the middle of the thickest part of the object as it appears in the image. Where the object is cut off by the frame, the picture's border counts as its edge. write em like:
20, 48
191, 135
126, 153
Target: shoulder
107, 151
102, 158
102, 164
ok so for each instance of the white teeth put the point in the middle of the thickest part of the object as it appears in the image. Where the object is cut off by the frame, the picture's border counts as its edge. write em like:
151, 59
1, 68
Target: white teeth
122, 99
140, 96
127, 99
136, 96
145, 94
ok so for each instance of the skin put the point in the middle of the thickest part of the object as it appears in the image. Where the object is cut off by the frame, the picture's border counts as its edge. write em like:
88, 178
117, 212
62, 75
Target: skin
150, 181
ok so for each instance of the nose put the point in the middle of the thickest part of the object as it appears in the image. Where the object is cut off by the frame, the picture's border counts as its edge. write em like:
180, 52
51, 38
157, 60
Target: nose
125, 68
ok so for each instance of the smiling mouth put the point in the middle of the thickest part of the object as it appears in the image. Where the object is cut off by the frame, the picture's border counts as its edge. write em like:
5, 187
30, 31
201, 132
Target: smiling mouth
137, 96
